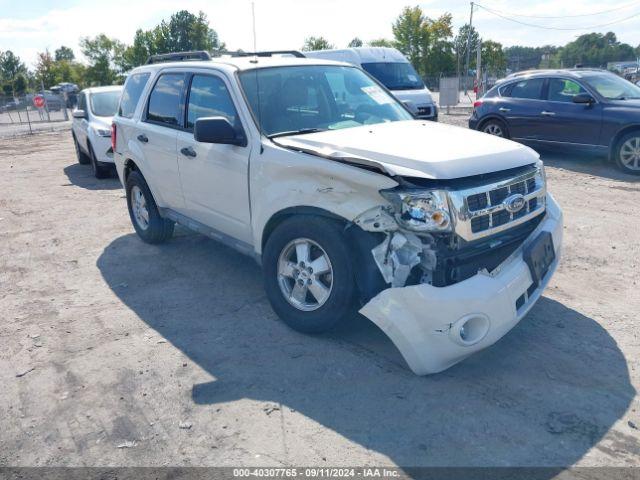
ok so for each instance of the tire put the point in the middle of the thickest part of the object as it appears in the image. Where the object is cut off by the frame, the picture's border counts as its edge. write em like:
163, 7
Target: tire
83, 158
326, 239
156, 229
497, 126
627, 153
98, 170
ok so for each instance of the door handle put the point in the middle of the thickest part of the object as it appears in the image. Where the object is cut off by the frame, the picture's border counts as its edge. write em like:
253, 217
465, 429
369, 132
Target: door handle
143, 138
547, 114
502, 109
188, 152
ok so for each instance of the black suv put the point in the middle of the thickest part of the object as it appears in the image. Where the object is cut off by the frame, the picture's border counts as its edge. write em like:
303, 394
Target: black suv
587, 109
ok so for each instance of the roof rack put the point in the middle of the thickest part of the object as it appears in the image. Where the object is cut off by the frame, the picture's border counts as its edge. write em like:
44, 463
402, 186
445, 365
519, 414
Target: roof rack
266, 53
179, 56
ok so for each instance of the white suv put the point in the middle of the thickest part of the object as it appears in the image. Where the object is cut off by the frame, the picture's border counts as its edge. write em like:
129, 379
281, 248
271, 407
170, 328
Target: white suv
91, 127
442, 236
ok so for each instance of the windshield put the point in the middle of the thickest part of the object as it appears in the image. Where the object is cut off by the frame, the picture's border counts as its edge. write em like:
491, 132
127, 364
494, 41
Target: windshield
613, 87
395, 76
105, 104
300, 99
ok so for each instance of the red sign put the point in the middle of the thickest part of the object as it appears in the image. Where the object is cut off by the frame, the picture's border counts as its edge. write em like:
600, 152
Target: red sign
38, 101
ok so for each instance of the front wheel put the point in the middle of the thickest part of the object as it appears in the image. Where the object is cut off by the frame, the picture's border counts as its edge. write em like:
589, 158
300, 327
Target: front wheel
627, 154
82, 157
308, 273
143, 211
99, 171
496, 128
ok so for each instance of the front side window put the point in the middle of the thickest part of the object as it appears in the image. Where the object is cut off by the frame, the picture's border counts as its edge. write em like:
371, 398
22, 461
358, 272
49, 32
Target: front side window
317, 97
209, 97
105, 104
395, 76
165, 101
562, 90
131, 94
613, 87
528, 89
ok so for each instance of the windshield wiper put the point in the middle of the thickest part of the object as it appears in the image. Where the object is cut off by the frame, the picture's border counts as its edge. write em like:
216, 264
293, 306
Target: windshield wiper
302, 131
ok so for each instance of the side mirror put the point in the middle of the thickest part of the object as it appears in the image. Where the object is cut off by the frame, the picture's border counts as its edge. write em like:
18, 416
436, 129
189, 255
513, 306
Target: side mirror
217, 130
583, 98
79, 114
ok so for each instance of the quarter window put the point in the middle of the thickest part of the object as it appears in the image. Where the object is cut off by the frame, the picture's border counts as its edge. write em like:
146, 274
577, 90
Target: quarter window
561, 90
131, 94
165, 101
529, 89
209, 97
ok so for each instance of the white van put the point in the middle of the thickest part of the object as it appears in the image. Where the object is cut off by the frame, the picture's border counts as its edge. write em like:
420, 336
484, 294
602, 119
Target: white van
393, 70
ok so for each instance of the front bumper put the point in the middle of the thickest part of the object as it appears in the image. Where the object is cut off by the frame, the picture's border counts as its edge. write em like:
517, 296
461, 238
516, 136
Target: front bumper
102, 149
424, 321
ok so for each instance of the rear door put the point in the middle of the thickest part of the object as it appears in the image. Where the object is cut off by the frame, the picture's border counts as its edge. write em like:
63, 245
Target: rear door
520, 104
157, 134
214, 176
568, 122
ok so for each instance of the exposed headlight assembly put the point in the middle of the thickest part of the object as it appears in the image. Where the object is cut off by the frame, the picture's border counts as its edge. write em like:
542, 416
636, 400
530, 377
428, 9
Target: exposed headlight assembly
420, 210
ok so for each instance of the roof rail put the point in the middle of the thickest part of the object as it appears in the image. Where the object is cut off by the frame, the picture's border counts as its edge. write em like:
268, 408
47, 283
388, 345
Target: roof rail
267, 53
179, 56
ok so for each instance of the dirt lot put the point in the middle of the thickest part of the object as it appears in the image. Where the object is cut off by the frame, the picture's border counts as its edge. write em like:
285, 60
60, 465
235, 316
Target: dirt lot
115, 352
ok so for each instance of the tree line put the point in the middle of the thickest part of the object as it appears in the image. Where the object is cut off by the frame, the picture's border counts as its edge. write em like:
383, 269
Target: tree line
430, 44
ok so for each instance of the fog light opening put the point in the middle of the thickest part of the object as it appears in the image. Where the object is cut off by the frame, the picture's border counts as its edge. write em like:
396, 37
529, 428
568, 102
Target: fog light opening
470, 329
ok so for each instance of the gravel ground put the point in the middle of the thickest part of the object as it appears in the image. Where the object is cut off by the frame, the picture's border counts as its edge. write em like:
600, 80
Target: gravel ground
115, 352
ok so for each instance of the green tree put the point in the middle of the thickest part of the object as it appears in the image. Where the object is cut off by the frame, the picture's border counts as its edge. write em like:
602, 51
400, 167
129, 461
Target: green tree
356, 42
440, 54
381, 42
20, 84
493, 60
45, 69
104, 55
460, 45
10, 65
412, 37
64, 53
594, 50
316, 43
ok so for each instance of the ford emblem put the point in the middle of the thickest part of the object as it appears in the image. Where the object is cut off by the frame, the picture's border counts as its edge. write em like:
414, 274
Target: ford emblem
514, 203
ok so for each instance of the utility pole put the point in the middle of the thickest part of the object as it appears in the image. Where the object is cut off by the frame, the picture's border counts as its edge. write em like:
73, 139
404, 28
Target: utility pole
479, 70
466, 71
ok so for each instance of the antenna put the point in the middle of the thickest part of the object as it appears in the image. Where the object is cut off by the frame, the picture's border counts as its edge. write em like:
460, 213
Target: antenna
255, 60
253, 15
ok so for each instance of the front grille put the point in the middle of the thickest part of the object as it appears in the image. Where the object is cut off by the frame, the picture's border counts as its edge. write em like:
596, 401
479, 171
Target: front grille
482, 211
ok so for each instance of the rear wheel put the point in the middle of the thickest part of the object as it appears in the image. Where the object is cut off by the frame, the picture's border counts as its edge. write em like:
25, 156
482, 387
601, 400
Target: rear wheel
495, 127
143, 211
627, 154
308, 273
82, 157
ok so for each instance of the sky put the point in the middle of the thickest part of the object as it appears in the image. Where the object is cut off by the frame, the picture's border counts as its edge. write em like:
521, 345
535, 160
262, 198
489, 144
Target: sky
31, 26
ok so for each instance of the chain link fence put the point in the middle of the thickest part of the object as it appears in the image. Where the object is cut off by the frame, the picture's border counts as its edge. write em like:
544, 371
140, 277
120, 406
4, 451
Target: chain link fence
34, 112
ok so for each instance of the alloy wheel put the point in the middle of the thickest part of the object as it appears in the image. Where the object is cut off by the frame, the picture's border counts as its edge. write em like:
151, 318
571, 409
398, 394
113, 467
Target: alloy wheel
493, 129
305, 274
630, 154
139, 207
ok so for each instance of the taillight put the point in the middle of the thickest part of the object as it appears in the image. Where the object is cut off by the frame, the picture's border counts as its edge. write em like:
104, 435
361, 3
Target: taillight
477, 103
113, 137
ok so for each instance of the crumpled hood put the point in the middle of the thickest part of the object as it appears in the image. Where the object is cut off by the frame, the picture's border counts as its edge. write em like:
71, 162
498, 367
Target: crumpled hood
416, 148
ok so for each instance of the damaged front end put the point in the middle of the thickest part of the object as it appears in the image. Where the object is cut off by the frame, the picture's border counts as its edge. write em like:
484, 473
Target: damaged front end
437, 256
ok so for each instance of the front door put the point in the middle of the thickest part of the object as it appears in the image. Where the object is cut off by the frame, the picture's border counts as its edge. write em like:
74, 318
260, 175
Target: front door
568, 122
214, 176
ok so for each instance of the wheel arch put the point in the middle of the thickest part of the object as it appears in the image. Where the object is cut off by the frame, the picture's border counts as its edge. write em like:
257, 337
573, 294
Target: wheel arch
618, 136
492, 116
280, 216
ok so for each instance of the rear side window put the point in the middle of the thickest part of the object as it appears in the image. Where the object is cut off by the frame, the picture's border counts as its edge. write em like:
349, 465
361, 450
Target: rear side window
132, 90
209, 97
562, 90
530, 89
165, 101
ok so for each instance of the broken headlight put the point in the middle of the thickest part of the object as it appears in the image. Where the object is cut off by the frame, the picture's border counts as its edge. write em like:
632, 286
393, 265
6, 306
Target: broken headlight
420, 210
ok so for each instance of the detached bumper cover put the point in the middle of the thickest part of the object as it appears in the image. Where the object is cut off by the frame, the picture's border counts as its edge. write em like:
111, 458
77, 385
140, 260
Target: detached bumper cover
423, 321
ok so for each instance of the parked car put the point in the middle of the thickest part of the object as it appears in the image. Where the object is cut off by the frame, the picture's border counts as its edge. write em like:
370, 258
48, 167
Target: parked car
445, 237
393, 70
588, 109
91, 128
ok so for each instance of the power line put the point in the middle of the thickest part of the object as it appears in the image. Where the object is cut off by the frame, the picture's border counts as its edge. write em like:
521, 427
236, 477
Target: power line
545, 27
601, 12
